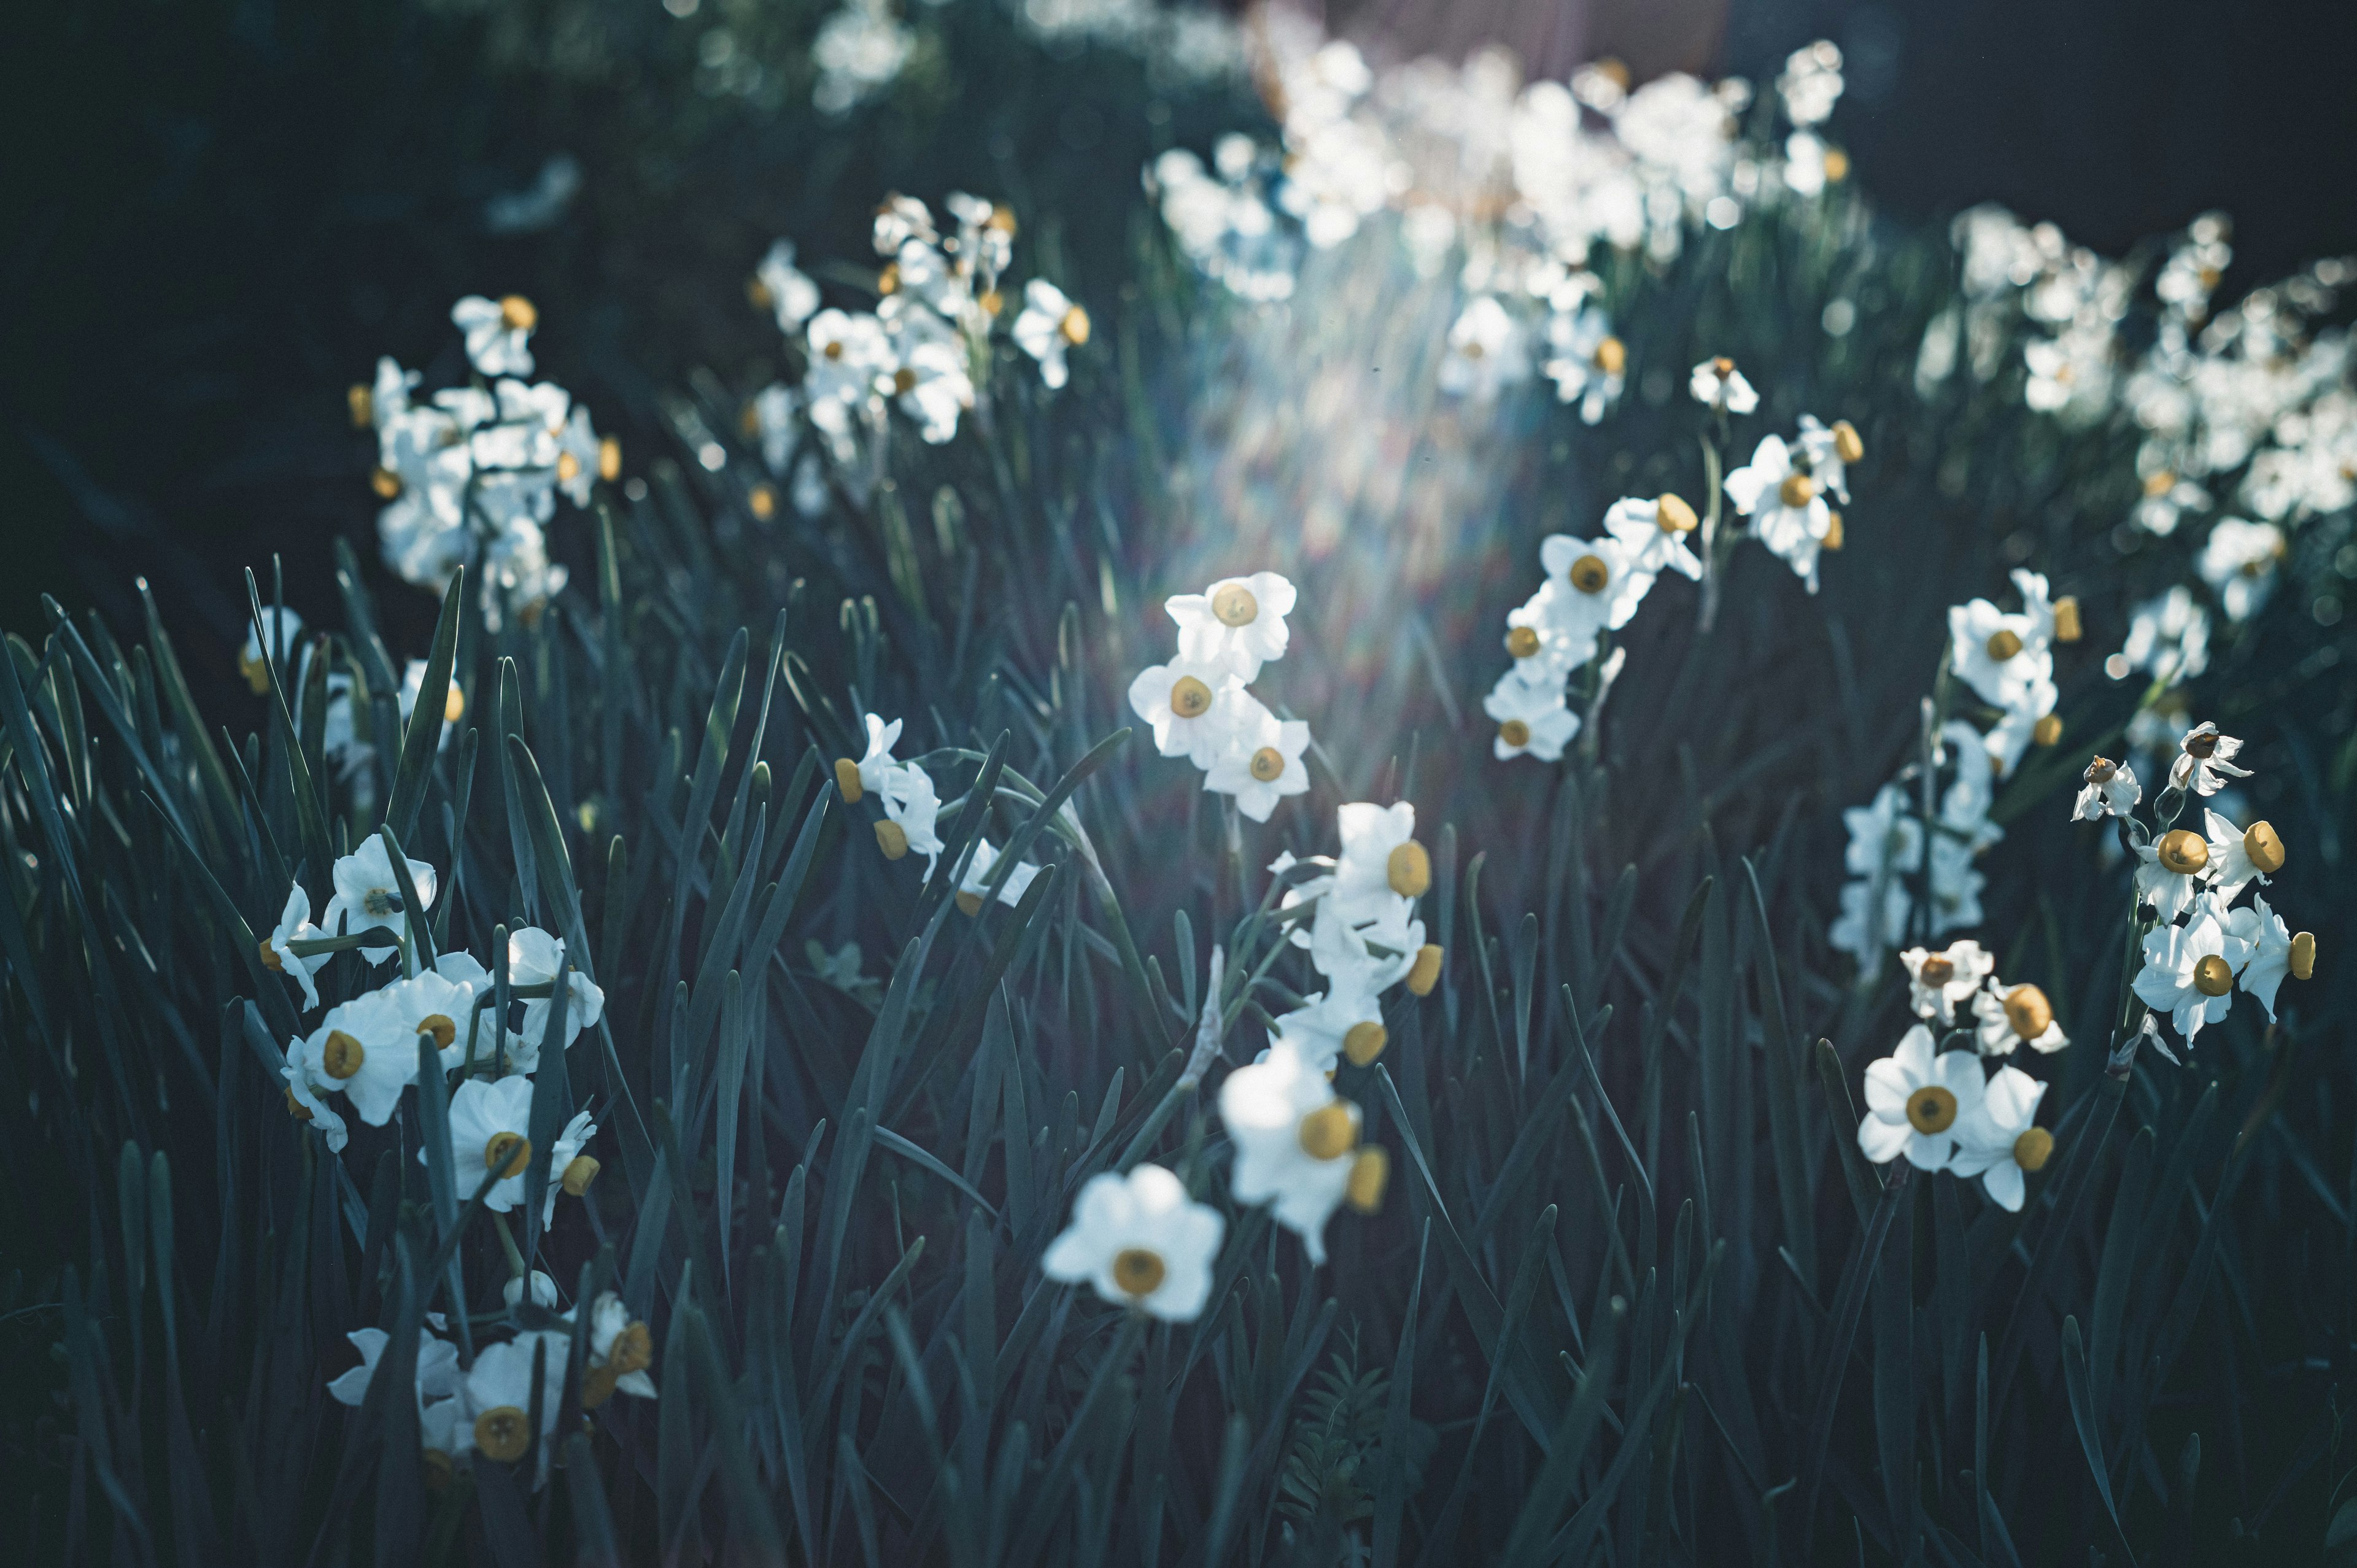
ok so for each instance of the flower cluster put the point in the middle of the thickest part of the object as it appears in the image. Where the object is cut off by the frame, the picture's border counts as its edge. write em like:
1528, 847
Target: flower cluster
925, 351
1782, 492
470, 475
1198, 704
1943, 1112
1592, 589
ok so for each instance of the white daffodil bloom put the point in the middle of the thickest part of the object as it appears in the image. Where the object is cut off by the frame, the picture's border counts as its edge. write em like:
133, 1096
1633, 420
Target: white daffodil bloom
285, 629
1587, 363
2001, 657
1654, 532
307, 1105
1191, 705
1955, 886
977, 880
543, 1288
477, 1042
2018, 728
294, 926
912, 805
439, 1376
1342, 944
2205, 761
498, 332
1048, 325
2239, 857
1380, 861
1718, 386
1237, 621
2267, 945
1552, 633
1936, 982
1261, 765
2172, 871
1295, 1142
784, 289
433, 1002
2108, 788
2006, 1017
2001, 1140
1486, 353
535, 957
2189, 970
847, 353
1787, 508
1605, 584
2239, 562
454, 700
1141, 1243
490, 1122
931, 387
496, 1416
876, 771
620, 1351
569, 1170
362, 1049
1532, 721
1914, 1102
1829, 450
583, 458
1347, 1020
366, 897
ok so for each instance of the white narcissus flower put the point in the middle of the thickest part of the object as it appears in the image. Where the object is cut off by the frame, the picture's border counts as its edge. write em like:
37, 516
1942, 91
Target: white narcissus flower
583, 458
1348, 1020
620, 1351
783, 288
535, 957
437, 1002
1830, 450
454, 700
1237, 621
1605, 587
1191, 704
499, 333
1297, 1144
1552, 633
875, 772
1381, 862
285, 629
1532, 720
368, 897
1914, 1102
1262, 764
1587, 363
307, 1105
977, 880
2267, 944
2238, 562
1655, 533
437, 1368
2001, 1141
1936, 982
912, 809
846, 354
496, 1421
1787, 508
2001, 657
1341, 945
1485, 353
294, 926
569, 1170
2006, 1017
933, 388
2205, 761
362, 1049
1048, 325
2021, 725
2108, 788
2171, 871
1717, 385
1141, 1243
2189, 970
490, 1122
543, 1288
2239, 856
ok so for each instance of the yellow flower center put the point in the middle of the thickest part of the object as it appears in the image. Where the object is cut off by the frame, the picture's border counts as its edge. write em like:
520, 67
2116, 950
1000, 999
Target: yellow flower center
381, 902
891, 838
832, 351
2102, 770
846, 781
1836, 166
508, 1153
597, 1386
271, 960
568, 467
762, 502
1514, 732
1931, 1110
517, 314
757, 293
1590, 574
2003, 644
385, 483
1473, 349
1408, 870
2066, 619
454, 705
2303, 955
1328, 1133
503, 1432
1364, 1042
1611, 355
2047, 731
341, 1056
1798, 489
1522, 642
437, 1470
2213, 976
969, 904
578, 1175
889, 280
2203, 744
444, 1029
362, 404
2181, 850
300, 1111
1268, 764
1722, 367
1370, 1174
904, 381
1235, 605
1672, 515
1834, 537
2028, 1012
991, 302
1074, 327
2033, 1149
2261, 843
1936, 971
633, 1349
1424, 972
1139, 1271
1189, 698
1847, 447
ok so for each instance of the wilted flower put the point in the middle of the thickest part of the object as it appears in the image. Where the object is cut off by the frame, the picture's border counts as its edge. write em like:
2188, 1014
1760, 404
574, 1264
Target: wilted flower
1141, 1243
1297, 1144
1721, 387
1936, 982
499, 333
1914, 1102
1237, 621
2001, 1140
2005, 1016
1049, 324
2206, 760
2109, 788
2189, 970
368, 897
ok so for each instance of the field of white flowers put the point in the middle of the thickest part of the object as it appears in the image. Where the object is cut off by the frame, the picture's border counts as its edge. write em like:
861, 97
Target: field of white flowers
1527, 844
